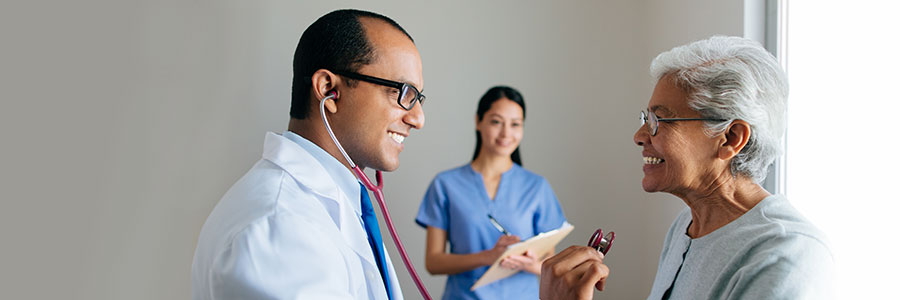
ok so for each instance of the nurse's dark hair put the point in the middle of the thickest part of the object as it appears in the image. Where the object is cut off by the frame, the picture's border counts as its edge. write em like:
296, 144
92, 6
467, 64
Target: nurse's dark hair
491, 96
336, 42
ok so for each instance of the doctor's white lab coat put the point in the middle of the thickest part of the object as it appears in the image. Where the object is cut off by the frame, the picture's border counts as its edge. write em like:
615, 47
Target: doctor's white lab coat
286, 230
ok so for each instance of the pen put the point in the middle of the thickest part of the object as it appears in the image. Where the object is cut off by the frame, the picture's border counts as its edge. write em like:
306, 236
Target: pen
497, 225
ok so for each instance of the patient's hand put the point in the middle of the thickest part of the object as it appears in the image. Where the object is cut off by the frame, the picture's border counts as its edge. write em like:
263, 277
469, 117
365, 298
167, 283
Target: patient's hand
573, 274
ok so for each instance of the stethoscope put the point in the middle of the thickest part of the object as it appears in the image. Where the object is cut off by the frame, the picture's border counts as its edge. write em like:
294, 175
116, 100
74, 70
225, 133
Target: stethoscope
379, 195
601, 242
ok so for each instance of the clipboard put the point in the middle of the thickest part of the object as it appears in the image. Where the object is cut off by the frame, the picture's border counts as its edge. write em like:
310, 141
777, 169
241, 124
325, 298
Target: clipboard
542, 244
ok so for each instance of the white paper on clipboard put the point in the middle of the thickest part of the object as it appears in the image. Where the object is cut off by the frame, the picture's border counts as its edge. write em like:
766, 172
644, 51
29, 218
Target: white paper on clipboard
542, 245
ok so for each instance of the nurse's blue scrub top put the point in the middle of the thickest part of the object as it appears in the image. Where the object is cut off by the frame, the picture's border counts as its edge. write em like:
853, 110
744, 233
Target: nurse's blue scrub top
457, 202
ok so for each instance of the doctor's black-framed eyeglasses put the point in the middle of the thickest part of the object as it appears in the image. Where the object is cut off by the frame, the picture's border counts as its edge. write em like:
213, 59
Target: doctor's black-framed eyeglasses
649, 117
408, 94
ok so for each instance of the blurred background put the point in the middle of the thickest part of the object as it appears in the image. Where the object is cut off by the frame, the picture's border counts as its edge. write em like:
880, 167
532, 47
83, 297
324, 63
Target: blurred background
124, 122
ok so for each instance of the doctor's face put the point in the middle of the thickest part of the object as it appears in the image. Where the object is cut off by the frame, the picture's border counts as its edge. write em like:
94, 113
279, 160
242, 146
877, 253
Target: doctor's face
680, 158
501, 128
373, 125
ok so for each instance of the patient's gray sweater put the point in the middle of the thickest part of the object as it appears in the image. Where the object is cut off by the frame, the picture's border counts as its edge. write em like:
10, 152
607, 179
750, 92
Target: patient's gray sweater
771, 252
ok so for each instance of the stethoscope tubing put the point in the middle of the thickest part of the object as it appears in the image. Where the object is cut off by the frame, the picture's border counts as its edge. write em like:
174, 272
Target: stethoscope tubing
377, 190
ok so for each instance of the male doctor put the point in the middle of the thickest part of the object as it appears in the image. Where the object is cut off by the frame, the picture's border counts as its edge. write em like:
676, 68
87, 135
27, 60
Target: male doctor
299, 225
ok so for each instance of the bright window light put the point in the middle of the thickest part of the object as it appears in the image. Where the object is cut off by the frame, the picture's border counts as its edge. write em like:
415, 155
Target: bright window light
841, 165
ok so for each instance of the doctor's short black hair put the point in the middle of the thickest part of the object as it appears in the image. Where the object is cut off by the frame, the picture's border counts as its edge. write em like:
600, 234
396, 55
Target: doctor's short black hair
336, 41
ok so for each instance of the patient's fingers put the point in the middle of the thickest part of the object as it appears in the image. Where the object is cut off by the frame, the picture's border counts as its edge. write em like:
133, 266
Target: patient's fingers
573, 256
573, 274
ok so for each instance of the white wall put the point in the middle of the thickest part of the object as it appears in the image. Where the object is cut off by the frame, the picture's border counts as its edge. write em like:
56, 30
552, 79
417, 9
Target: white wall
123, 122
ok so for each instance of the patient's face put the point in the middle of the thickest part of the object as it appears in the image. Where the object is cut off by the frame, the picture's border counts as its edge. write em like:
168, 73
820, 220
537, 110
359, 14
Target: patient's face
501, 128
680, 158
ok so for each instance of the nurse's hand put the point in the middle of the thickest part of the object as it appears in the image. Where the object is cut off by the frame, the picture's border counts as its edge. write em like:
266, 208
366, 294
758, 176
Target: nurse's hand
528, 262
573, 274
492, 255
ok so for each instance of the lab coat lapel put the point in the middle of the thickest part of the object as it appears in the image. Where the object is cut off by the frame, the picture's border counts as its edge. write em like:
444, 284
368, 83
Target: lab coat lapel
355, 234
393, 280
308, 172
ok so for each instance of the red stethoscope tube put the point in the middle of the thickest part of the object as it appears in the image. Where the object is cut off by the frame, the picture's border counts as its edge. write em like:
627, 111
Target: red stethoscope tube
379, 195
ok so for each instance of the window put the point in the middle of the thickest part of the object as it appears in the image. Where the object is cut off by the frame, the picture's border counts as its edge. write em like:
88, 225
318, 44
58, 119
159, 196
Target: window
840, 168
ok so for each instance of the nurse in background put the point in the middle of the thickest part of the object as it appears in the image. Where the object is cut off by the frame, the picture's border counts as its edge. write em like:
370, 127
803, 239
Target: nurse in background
456, 206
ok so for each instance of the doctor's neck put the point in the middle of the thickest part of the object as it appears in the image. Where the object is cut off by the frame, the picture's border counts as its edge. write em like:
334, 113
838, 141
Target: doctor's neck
488, 164
314, 131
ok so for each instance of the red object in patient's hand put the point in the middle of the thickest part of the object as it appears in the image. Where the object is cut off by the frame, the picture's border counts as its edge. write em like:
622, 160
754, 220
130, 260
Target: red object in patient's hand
600, 242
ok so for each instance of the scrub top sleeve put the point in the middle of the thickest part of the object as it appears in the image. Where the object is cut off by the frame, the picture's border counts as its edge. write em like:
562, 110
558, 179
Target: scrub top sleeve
549, 215
433, 210
268, 260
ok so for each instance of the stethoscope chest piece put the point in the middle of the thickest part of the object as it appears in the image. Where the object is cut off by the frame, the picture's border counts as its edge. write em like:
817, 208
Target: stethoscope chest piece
600, 242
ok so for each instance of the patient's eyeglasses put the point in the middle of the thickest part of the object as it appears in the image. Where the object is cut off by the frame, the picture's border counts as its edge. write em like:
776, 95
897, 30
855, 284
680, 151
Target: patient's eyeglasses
649, 117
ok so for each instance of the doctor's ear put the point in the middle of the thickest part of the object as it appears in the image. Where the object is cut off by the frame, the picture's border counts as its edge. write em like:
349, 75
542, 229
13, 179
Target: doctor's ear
330, 101
324, 88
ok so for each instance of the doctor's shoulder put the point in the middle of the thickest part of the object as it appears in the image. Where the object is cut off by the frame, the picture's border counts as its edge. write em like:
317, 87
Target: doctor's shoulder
267, 193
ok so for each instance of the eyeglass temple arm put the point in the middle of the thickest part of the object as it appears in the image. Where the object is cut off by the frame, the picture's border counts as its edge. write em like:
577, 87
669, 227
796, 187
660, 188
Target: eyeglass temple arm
371, 79
688, 119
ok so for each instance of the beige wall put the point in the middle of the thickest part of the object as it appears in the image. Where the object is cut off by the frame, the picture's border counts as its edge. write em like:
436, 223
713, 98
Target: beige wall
123, 122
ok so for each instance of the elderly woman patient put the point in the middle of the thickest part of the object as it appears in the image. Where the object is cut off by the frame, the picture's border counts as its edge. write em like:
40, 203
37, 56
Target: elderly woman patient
713, 125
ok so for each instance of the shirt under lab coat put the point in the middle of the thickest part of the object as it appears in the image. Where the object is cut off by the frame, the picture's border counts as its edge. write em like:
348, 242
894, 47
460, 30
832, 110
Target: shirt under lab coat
290, 228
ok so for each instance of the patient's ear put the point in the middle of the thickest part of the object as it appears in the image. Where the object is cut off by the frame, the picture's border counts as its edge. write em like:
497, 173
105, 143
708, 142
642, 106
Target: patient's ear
734, 139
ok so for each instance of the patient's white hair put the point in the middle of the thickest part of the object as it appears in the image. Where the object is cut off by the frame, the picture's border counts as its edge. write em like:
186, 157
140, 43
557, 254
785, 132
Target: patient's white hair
733, 78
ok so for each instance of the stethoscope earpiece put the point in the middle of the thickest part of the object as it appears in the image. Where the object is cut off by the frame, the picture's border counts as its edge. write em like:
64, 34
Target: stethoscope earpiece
330, 95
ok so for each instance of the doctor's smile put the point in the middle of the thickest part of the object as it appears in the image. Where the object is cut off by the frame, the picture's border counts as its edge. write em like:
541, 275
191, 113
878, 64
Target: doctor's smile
397, 137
